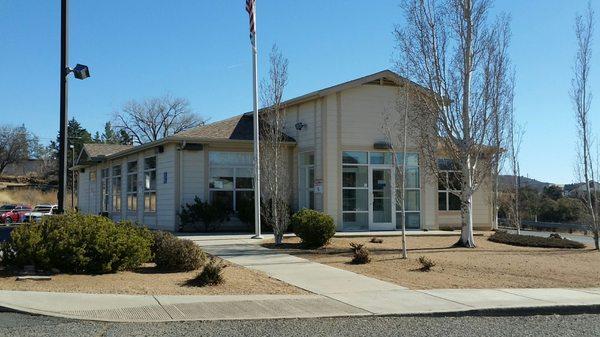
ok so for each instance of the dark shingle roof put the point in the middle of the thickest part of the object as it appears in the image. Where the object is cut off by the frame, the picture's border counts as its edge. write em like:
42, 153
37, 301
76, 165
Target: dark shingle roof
235, 128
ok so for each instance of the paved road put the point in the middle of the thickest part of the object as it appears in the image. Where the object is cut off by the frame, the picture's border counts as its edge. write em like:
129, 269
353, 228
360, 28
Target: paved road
588, 240
12, 324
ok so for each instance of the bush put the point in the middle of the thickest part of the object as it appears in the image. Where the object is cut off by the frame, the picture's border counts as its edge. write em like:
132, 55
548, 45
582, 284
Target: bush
78, 243
361, 254
376, 240
174, 254
533, 241
210, 275
210, 215
426, 263
315, 229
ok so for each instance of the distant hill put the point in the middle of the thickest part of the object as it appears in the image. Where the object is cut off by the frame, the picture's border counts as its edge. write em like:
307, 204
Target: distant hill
508, 180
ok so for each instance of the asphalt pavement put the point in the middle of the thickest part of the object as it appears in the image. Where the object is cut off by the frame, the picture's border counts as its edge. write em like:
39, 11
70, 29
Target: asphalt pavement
13, 324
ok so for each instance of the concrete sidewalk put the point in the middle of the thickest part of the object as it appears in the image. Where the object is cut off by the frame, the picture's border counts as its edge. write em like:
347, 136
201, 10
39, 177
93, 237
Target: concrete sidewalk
140, 308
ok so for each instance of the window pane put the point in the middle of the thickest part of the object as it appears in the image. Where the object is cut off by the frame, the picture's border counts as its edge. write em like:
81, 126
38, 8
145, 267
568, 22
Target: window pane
453, 202
355, 176
307, 158
446, 164
355, 200
132, 166
132, 202
150, 180
412, 177
442, 181
354, 157
454, 180
412, 200
116, 170
311, 177
150, 163
244, 198
244, 178
442, 201
381, 158
230, 158
412, 159
221, 178
355, 221
132, 183
222, 199
413, 220
311, 199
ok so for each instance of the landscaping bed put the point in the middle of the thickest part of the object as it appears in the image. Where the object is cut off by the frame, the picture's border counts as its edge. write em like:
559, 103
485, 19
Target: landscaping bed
147, 280
490, 265
534, 241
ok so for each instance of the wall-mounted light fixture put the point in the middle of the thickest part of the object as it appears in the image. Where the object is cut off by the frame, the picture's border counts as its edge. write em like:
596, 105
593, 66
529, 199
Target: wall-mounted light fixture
299, 126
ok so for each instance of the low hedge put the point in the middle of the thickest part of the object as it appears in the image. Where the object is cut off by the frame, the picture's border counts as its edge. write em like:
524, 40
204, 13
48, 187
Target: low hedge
533, 241
76, 243
176, 255
314, 228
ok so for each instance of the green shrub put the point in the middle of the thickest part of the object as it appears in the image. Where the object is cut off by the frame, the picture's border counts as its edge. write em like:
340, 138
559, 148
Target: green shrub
315, 229
533, 241
426, 263
361, 253
210, 215
211, 274
174, 254
77, 243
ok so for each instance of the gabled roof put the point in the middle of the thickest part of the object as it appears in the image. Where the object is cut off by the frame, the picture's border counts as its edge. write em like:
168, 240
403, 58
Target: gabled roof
95, 152
235, 128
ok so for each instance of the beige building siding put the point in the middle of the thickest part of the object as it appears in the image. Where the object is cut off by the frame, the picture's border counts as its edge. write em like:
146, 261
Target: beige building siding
166, 200
83, 191
192, 176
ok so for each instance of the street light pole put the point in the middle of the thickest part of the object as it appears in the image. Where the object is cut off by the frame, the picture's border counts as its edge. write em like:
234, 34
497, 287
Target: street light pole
64, 72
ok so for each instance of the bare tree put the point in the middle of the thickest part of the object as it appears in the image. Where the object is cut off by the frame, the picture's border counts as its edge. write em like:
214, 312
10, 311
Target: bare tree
451, 49
582, 98
155, 118
515, 137
395, 129
14, 145
275, 177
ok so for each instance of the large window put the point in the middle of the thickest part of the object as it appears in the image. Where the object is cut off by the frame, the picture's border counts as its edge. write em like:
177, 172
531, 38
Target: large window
104, 189
132, 182
150, 184
449, 186
231, 181
412, 191
116, 188
355, 191
307, 180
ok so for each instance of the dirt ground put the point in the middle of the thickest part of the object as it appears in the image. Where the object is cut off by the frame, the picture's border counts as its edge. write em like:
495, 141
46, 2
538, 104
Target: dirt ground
148, 281
490, 265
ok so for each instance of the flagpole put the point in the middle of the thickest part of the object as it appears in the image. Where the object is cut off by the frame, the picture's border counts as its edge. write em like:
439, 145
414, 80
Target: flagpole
257, 234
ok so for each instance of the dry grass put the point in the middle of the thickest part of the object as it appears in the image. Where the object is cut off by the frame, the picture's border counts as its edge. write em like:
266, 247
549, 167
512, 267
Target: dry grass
29, 197
490, 265
149, 281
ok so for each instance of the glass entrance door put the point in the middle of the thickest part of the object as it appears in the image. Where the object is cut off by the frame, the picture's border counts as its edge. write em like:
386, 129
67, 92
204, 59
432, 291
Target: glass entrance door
381, 203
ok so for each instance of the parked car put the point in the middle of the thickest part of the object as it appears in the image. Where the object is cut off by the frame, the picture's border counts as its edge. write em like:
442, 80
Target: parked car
15, 214
6, 208
40, 211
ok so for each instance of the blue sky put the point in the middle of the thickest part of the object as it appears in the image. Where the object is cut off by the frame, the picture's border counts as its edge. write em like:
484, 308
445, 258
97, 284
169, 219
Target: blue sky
200, 50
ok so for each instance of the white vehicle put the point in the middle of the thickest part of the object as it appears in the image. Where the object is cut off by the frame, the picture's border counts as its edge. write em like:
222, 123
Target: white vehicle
39, 211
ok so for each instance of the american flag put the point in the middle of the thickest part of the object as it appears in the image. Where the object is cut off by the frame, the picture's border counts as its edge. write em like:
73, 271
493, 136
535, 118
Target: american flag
251, 13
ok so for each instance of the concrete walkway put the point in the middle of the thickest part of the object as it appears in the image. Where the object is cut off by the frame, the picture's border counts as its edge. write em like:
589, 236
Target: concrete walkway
379, 297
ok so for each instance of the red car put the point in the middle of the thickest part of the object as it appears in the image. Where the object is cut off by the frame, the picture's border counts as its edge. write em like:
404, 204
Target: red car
15, 214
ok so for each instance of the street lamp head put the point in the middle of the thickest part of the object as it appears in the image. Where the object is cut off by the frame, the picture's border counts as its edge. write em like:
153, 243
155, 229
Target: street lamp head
71, 146
81, 72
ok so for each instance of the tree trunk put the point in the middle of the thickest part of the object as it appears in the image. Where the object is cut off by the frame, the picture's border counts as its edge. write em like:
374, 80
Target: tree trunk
278, 238
466, 235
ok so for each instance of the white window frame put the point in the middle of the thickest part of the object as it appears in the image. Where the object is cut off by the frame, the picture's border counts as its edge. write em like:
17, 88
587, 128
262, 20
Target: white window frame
105, 201
132, 194
116, 195
148, 192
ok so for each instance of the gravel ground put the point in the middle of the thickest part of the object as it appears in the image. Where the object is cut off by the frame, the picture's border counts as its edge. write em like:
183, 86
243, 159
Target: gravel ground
12, 324
489, 265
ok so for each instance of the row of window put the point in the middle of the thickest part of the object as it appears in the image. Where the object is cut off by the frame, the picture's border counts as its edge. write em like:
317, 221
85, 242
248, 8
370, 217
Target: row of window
111, 186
